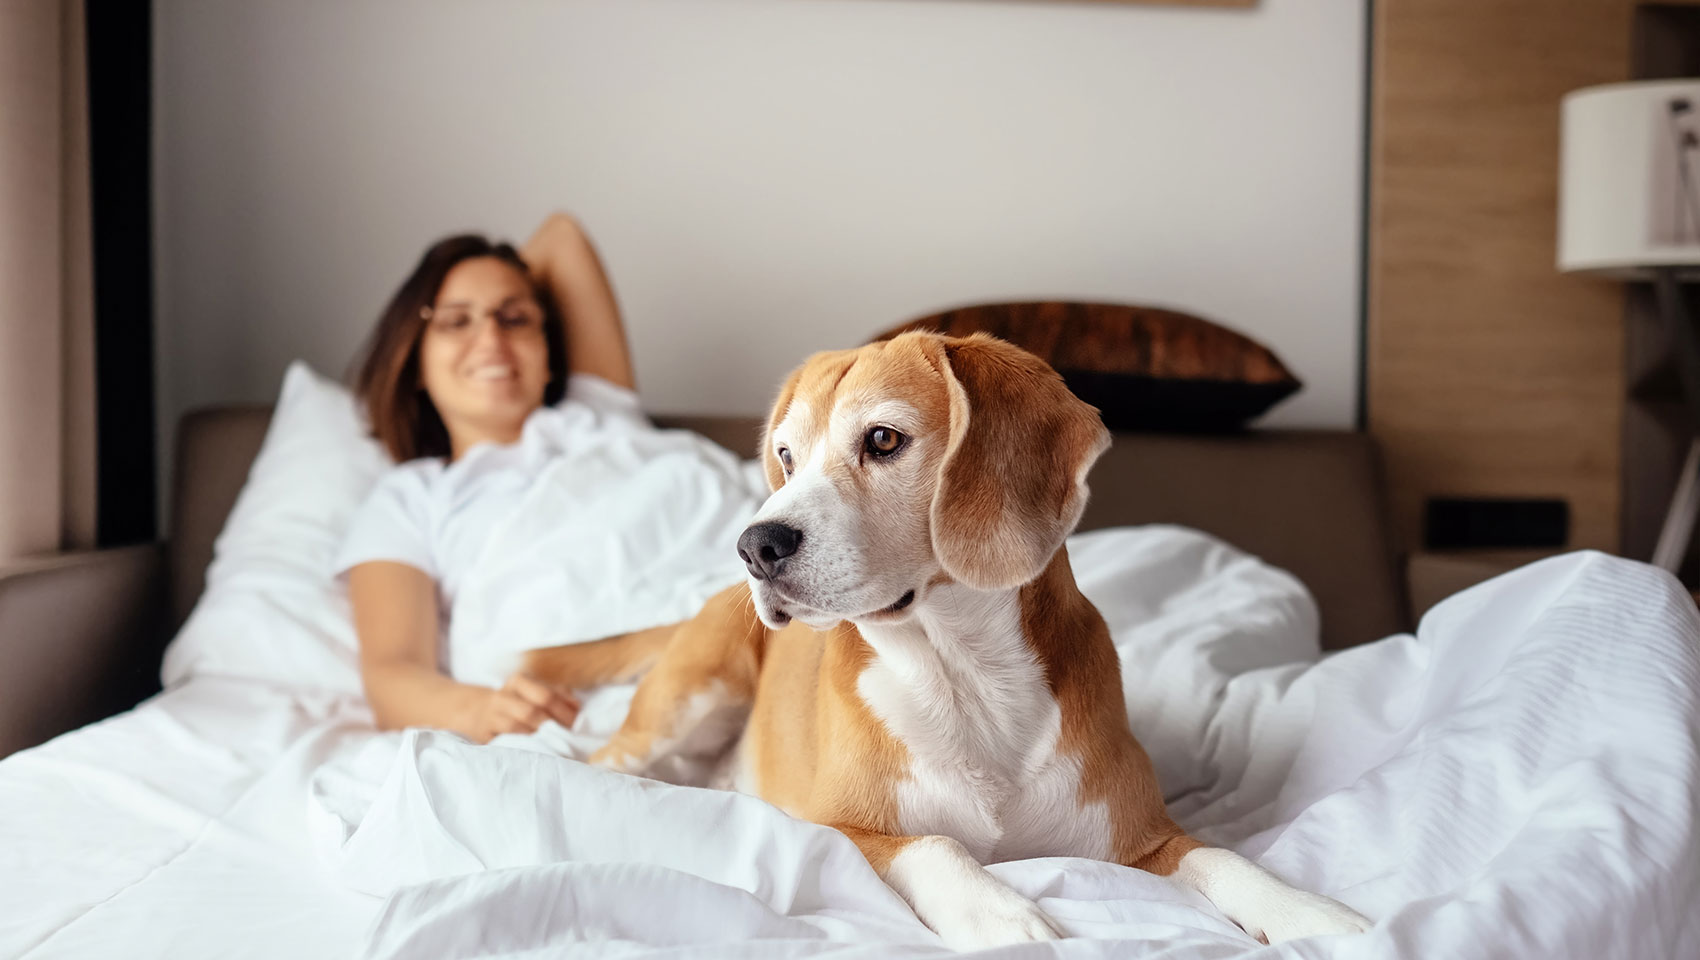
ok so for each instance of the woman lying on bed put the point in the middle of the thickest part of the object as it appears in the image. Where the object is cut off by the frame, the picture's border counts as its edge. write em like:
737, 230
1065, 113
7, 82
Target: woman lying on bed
478, 339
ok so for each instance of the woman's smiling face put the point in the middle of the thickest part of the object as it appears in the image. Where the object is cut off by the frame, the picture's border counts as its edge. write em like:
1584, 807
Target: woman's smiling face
484, 358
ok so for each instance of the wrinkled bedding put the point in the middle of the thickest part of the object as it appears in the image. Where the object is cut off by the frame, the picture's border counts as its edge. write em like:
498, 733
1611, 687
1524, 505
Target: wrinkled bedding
1516, 779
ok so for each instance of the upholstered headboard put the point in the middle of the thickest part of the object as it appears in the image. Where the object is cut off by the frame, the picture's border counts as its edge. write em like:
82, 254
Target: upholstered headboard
1310, 502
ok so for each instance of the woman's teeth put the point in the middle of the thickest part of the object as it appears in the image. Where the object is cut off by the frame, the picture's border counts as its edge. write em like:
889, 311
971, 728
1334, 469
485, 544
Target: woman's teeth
494, 372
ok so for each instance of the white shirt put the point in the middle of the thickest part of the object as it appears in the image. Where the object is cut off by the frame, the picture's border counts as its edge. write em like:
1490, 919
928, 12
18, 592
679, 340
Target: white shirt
594, 523
437, 516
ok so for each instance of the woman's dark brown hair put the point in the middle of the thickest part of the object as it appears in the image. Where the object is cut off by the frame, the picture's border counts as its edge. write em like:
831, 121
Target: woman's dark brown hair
387, 378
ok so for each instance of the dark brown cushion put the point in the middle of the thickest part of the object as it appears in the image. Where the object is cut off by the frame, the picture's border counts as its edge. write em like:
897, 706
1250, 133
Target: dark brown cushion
1143, 368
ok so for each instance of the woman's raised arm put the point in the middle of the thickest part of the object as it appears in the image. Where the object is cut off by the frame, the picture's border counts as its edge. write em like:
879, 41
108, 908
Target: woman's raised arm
564, 261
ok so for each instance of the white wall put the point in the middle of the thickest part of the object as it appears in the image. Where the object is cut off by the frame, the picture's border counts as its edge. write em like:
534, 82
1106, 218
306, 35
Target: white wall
765, 177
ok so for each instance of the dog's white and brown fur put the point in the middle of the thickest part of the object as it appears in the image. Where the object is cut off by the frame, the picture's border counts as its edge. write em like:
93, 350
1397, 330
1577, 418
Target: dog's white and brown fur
924, 675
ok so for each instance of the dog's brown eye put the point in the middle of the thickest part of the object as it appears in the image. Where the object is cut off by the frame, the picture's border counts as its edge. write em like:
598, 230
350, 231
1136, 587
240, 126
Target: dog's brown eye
785, 460
883, 441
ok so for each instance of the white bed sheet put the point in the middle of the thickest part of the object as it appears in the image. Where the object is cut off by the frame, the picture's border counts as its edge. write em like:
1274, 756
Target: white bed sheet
178, 830
1517, 779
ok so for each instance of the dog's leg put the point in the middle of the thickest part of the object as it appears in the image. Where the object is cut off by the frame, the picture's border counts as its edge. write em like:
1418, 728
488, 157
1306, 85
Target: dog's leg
691, 706
619, 659
1249, 895
951, 892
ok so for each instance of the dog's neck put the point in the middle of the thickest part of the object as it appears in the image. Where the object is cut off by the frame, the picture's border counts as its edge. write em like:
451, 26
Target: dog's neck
962, 628
956, 624
972, 638
959, 679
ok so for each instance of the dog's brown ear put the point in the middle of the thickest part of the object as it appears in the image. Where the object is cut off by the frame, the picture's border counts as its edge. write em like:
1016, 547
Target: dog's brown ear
1013, 482
770, 459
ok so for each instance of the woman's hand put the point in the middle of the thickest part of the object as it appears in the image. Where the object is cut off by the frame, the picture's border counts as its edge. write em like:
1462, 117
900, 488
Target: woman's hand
520, 706
395, 617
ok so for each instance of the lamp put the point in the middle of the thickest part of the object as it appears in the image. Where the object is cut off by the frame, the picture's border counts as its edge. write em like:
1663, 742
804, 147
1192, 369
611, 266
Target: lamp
1629, 209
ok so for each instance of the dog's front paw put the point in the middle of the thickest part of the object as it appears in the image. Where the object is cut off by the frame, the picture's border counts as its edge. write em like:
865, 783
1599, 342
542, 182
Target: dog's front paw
615, 757
1309, 915
967, 907
995, 921
1260, 902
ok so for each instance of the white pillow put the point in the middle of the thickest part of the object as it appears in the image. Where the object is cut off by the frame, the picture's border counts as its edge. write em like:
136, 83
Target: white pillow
271, 609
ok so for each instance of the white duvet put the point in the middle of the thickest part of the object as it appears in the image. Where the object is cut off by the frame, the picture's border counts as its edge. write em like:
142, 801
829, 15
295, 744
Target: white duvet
1518, 779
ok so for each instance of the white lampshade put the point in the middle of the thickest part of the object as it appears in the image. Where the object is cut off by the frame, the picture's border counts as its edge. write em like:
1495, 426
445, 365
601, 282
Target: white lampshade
1629, 180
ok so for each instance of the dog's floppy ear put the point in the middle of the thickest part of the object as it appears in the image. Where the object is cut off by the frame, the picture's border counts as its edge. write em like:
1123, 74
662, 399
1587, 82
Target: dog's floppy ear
769, 459
1013, 482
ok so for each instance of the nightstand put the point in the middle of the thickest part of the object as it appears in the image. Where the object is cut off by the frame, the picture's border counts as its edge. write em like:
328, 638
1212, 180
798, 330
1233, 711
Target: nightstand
1431, 577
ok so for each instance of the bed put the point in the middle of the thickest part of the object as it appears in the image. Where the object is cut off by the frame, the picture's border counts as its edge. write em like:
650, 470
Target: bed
1517, 777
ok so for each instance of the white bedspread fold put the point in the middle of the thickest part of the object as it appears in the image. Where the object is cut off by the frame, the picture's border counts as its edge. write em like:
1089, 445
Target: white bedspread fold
621, 530
1519, 778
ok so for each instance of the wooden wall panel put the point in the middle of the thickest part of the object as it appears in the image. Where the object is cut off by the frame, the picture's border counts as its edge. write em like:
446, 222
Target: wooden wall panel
1488, 372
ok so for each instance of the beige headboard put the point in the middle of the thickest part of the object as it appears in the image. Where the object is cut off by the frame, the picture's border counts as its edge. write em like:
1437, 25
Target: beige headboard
1310, 502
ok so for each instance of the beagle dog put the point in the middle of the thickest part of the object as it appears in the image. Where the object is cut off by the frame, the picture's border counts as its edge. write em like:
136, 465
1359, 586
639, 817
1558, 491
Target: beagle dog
911, 661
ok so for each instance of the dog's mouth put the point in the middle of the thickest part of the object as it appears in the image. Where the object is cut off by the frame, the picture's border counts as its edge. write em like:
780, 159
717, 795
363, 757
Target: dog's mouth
784, 608
775, 606
902, 602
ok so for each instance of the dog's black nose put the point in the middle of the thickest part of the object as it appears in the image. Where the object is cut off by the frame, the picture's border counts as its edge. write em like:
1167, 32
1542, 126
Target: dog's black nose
765, 546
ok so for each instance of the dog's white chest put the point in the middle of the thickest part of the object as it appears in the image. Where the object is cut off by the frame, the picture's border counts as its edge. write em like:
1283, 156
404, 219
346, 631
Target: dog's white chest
981, 728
